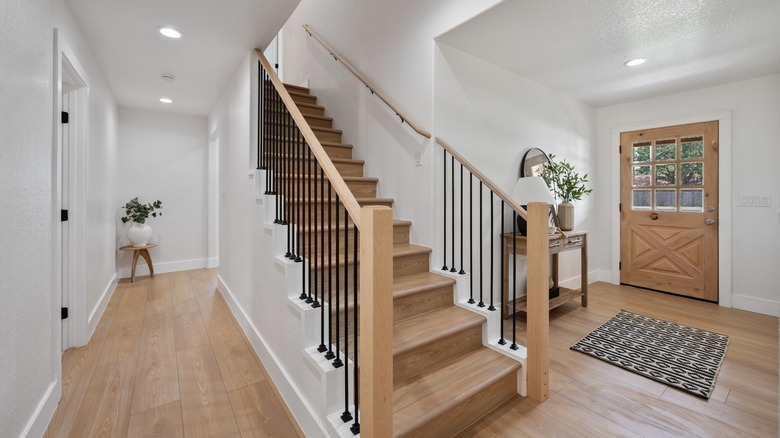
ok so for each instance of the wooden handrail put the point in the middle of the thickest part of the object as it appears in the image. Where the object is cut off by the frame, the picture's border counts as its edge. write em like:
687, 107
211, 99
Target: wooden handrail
341, 188
404, 118
500, 193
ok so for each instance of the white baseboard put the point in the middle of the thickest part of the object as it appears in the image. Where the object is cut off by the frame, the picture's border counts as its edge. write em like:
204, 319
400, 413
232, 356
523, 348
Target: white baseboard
212, 262
304, 413
100, 307
44, 412
593, 276
757, 305
161, 268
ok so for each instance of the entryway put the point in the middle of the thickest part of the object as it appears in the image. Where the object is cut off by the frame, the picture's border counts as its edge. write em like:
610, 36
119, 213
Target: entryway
669, 209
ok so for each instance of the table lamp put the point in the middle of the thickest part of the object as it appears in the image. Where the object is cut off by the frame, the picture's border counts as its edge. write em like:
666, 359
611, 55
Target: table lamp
527, 190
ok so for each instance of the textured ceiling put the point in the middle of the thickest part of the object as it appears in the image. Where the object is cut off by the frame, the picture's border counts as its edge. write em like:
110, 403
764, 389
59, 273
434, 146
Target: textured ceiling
578, 47
217, 35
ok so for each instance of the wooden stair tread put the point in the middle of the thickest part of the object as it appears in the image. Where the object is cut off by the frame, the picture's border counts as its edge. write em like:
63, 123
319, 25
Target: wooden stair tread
419, 399
359, 200
340, 226
298, 93
398, 251
297, 88
416, 283
345, 178
333, 160
423, 329
309, 105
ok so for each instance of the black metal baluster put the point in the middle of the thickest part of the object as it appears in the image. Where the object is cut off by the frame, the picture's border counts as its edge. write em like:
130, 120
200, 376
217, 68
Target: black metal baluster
481, 244
492, 239
260, 112
337, 362
317, 248
322, 348
278, 165
310, 213
444, 191
346, 416
462, 244
452, 215
267, 133
287, 192
514, 283
299, 195
329, 355
501, 236
471, 238
355, 428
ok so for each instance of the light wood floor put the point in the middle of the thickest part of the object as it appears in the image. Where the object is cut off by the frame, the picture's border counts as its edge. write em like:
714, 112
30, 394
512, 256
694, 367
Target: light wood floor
167, 359
592, 398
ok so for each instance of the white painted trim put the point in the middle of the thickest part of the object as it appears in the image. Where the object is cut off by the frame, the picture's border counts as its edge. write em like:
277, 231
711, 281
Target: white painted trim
304, 413
100, 307
593, 276
212, 262
161, 268
724, 194
758, 305
44, 412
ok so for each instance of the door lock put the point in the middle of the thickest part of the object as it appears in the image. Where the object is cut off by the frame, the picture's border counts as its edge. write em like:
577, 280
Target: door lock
654, 216
710, 208
710, 221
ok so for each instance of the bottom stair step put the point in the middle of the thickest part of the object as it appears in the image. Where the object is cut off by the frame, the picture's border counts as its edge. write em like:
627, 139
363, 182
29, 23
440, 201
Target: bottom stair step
443, 401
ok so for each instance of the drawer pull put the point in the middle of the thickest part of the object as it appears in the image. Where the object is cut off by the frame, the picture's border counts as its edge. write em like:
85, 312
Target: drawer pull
554, 244
575, 241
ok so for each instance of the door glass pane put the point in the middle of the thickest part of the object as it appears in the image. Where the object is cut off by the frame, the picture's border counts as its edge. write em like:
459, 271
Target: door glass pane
691, 148
641, 199
641, 152
692, 200
692, 174
666, 199
642, 175
665, 150
665, 174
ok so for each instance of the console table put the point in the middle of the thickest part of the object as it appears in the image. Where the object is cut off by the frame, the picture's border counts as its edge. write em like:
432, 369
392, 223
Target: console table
573, 241
143, 251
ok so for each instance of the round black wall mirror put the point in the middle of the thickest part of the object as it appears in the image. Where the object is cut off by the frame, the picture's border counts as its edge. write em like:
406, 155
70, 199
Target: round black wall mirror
533, 162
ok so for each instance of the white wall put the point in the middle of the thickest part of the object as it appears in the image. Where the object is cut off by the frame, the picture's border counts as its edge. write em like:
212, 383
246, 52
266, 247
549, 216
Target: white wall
392, 45
165, 156
29, 329
755, 111
493, 116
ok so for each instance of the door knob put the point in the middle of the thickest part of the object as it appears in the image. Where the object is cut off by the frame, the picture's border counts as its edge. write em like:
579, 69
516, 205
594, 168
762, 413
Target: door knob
710, 221
710, 208
654, 216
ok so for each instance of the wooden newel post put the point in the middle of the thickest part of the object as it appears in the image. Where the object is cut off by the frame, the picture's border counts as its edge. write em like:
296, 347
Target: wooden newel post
376, 322
538, 301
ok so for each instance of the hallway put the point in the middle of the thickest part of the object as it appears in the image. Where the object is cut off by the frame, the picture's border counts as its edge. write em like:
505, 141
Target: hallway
168, 359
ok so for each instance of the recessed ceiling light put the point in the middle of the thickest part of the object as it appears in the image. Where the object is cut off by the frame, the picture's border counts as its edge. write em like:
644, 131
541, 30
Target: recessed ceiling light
168, 77
635, 62
169, 32
165, 100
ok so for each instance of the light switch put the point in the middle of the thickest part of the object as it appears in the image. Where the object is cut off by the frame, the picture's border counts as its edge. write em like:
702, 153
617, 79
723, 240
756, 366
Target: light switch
755, 200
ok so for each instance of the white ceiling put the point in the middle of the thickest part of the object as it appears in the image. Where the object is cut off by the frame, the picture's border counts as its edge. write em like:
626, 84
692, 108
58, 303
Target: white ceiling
578, 47
217, 35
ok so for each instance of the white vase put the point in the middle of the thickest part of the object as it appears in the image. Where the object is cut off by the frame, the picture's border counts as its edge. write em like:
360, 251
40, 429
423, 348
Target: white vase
139, 234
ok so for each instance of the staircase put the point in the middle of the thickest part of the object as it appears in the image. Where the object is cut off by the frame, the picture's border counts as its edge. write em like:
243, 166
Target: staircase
444, 378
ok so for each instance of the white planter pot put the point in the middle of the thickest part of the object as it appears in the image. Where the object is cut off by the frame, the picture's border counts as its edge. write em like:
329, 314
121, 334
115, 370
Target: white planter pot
139, 234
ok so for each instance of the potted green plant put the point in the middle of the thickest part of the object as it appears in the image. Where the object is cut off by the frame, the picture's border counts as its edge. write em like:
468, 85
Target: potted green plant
567, 186
136, 213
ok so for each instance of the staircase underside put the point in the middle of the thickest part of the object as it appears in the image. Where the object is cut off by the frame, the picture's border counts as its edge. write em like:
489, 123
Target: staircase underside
444, 378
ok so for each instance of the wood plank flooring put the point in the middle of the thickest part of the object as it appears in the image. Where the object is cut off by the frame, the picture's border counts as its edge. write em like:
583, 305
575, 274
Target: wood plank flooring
595, 399
168, 360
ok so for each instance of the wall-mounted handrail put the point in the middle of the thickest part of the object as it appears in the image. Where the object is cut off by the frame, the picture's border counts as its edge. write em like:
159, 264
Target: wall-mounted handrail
480, 176
404, 117
333, 175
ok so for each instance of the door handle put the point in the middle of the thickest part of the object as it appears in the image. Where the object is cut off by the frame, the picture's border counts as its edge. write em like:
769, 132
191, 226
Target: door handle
654, 216
710, 222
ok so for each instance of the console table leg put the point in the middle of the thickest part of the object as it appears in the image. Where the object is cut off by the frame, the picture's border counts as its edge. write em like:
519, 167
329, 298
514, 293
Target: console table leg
132, 270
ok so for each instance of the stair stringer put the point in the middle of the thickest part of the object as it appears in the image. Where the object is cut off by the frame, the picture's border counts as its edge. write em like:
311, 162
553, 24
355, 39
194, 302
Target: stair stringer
491, 329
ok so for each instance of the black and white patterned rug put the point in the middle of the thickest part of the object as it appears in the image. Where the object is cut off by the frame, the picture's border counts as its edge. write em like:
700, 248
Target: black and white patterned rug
684, 357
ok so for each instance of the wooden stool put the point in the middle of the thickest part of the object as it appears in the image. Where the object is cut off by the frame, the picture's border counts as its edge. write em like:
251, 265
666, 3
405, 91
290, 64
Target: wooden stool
143, 251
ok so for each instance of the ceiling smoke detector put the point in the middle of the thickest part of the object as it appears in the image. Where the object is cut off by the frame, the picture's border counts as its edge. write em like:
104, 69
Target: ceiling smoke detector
168, 77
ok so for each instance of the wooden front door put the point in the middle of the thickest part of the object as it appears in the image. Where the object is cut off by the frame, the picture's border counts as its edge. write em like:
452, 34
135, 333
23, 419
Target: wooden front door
669, 209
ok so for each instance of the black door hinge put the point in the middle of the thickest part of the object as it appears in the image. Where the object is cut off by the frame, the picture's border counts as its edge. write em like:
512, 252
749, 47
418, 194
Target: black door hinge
276, 66
63, 215
620, 206
64, 117
64, 313
620, 266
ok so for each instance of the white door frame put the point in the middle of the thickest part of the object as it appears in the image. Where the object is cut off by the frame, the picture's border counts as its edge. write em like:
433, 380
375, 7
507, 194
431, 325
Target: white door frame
724, 193
65, 62
213, 200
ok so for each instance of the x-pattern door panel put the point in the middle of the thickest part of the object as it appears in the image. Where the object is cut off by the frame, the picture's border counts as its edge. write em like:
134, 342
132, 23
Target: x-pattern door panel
669, 196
